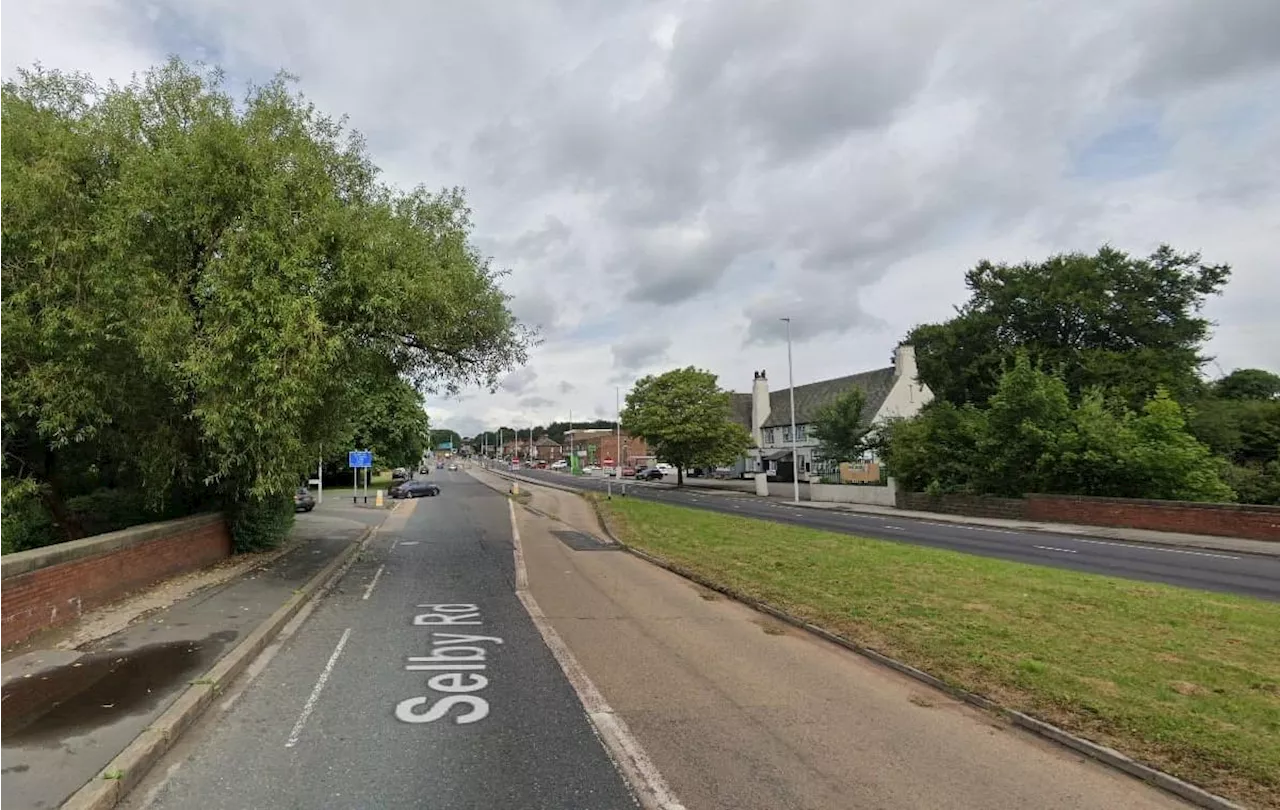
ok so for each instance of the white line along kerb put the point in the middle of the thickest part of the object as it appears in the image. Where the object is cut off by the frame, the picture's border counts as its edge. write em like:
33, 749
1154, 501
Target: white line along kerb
628, 755
310, 705
373, 582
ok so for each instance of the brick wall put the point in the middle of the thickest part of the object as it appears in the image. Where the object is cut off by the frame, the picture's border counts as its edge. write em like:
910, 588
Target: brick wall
972, 505
49, 586
1227, 520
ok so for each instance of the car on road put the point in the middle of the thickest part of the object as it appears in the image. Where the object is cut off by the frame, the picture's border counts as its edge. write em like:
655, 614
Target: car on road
453, 468
560, 464
399, 474
628, 472
648, 474
303, 500
414, 489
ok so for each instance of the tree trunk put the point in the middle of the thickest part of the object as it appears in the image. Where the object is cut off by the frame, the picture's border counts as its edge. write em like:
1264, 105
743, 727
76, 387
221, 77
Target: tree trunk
679, 476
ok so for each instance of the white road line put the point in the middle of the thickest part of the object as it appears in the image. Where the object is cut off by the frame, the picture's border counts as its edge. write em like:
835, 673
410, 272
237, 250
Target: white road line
1063, 550
409, 543
373, 582
895, 528
624, 749
394, 543
1157, 548
310, 705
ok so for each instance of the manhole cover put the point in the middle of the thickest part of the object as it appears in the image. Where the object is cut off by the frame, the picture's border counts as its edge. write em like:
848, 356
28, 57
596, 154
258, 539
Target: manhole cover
581, 541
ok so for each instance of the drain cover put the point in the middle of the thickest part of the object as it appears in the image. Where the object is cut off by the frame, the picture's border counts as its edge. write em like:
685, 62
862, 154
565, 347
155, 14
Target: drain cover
581, 541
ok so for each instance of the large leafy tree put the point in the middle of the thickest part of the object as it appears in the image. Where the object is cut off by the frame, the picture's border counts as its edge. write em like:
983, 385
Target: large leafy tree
685, 417
1124, 323
839, 428
1248, 384
196, 290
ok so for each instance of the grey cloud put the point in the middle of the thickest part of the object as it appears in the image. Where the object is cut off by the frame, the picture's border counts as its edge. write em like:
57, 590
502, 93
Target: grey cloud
822, 311
635, 354
1181, 47
519, 381
536, 402
536, 243
567, 387
536, 308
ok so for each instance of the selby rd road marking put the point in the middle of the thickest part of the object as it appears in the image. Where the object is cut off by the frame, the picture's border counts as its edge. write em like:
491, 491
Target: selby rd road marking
455, 657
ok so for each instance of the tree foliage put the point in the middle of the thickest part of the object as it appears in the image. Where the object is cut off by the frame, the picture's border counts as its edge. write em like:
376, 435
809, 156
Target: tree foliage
839, 428
1248, 384
198, 294
1110, 320
685, 417
1031, 439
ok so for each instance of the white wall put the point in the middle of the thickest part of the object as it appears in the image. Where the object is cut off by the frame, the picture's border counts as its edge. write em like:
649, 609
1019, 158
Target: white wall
851, 493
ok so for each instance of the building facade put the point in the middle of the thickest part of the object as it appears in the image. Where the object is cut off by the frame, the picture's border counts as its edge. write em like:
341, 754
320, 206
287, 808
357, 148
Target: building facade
600, 447
894, 391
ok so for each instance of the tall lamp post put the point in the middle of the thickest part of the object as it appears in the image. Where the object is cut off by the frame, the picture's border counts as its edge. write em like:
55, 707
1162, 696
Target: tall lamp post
795, 454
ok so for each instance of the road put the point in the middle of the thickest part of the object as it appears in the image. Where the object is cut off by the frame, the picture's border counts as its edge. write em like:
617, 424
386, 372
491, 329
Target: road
724, 710
419, 682
1229, 572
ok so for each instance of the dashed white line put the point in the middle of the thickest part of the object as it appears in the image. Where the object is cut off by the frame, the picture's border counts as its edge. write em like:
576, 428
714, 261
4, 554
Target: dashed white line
1063, 550
1158, 548
314, 698
409, 543
373, 582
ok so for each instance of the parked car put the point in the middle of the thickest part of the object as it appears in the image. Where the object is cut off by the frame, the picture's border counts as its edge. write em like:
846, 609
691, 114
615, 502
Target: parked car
559, 464
414, 489
399, 474
648, 474
303, 500
628, 472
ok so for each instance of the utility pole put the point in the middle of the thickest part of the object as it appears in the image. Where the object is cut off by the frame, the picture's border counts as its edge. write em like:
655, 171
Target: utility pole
617, 427
795, 454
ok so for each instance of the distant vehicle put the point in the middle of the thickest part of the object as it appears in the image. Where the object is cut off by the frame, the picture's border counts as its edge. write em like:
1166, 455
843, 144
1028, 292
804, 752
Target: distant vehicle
453, 468
648, 474
666, 468
628, 472
414, 489
439, 465
560, 464
399, 474
541, 465
303, 500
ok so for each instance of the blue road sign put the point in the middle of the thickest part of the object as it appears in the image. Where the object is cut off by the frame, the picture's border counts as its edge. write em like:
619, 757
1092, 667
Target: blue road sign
360, 458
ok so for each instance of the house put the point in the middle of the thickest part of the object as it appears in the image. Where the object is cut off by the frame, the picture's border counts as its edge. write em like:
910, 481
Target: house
547, 449
888, 392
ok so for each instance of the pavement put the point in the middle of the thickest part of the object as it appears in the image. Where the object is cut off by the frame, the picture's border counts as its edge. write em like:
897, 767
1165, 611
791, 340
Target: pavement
1248, 567
737, 710
75, 697
420, 680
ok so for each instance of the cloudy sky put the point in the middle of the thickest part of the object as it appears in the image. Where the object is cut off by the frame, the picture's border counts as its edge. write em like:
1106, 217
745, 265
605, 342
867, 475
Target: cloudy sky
665, 180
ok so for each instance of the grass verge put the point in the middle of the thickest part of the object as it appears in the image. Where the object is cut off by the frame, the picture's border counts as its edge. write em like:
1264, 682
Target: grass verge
1185, 680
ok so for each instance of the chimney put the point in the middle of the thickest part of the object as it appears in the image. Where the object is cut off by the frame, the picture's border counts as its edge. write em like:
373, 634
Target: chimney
904, 362
759, 406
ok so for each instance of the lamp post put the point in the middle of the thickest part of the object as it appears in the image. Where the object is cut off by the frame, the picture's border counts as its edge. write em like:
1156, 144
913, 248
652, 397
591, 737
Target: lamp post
795, 454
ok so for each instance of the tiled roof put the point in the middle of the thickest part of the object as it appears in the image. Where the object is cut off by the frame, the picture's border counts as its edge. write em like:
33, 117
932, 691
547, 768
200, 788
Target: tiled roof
546, 441
740, 409
813, 397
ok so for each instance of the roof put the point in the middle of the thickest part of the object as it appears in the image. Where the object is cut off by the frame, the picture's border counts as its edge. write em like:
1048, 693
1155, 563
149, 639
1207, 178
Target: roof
740, 409
546, 441
814, 397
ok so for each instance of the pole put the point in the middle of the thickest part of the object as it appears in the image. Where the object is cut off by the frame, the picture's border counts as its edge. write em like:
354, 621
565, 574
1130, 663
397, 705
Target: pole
572, 458
617, 440
320, 479
795, 454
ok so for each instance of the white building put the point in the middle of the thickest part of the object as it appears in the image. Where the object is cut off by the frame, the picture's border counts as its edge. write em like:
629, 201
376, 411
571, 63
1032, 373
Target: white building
888, 392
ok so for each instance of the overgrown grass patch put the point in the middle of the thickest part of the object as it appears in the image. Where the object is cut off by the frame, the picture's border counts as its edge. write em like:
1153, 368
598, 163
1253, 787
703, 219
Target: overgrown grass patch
1186, 680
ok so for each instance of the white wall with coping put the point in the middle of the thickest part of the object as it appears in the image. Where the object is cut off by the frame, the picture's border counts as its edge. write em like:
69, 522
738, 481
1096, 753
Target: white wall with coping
854, 493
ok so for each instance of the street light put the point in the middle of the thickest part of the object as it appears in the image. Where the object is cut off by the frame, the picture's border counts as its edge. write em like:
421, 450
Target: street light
795, 454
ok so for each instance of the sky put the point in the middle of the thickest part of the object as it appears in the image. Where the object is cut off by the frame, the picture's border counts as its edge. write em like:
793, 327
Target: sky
665, 180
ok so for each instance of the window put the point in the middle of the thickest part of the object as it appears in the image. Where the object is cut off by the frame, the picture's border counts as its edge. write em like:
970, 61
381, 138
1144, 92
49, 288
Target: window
786, 434
768, 436
800, 431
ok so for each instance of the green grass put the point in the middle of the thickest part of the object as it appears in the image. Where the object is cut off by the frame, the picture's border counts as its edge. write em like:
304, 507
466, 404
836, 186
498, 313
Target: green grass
1185, 680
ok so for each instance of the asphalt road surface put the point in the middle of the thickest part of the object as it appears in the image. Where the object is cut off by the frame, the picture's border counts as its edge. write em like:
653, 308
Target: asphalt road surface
1229, 572
420, 681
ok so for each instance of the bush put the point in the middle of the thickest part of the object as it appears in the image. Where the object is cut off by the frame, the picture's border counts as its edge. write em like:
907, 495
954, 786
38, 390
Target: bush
259, 524
27, 523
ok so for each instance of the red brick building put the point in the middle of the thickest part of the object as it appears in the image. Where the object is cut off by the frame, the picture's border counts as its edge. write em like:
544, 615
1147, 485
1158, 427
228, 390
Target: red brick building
601, 446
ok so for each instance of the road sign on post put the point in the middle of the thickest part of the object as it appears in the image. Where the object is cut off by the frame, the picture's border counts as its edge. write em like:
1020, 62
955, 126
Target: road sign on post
360, 458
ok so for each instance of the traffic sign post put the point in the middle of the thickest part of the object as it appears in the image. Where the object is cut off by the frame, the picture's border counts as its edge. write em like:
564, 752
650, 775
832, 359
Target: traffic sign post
360, 460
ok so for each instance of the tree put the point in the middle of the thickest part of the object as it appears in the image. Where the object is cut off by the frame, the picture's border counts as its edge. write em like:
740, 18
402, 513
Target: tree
1171, 463
195, 291
685, 417
1248, 384
446, 436
1026, 420
839, 429
1110, 320
393, 424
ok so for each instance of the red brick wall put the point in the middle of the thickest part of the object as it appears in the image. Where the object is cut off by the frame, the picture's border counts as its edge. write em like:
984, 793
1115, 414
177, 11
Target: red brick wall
58, 593
971, 505
1227, 520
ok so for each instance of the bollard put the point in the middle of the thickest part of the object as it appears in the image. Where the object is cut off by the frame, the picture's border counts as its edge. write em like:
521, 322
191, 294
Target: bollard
515, 487
377, 499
